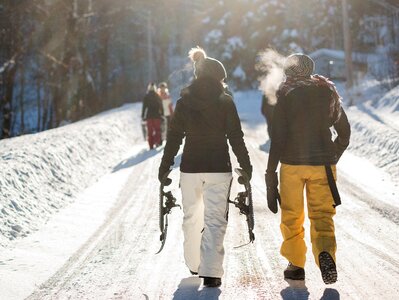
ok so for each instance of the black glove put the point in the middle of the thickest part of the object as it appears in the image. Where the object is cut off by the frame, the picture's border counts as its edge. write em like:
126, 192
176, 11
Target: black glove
249, 173
273, 195
339, 149
161, 173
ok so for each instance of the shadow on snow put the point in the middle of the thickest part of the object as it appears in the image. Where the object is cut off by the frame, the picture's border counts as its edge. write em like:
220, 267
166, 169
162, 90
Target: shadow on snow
297, 290
189, 289
135, 160
265, 147
142, 156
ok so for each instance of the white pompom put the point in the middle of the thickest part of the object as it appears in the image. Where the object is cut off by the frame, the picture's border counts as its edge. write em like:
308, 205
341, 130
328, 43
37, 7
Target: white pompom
197, 54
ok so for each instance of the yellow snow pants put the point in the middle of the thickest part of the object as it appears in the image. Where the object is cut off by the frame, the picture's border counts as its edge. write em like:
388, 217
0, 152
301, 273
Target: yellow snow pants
293, 180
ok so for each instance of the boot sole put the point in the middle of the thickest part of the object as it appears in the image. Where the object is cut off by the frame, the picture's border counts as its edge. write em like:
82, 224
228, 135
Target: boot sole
327, 268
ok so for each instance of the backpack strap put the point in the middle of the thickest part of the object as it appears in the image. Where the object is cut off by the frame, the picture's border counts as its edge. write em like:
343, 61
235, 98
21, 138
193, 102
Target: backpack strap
333, 186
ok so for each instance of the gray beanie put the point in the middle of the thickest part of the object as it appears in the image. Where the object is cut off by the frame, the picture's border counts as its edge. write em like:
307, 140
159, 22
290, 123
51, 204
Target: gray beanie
206, 66
298, 65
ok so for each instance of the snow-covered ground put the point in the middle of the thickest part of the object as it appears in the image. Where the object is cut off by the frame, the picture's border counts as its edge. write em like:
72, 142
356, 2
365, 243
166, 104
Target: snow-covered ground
42, 173
86, 197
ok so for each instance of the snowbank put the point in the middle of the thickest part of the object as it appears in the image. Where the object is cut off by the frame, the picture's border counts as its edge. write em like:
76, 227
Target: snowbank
390, 102
44, 172
374, 124
374, 139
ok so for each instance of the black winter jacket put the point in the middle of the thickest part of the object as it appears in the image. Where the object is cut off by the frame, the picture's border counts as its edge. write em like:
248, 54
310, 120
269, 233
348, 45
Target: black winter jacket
301, 129
152, 106
267, 109
206, 117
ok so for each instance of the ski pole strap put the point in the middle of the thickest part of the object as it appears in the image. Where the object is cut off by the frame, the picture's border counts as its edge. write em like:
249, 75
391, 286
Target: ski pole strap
333, 186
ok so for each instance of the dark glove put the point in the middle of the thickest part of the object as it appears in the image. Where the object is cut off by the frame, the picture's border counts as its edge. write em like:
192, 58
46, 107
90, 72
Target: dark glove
273, 195
161, 174
249, 173
339, 149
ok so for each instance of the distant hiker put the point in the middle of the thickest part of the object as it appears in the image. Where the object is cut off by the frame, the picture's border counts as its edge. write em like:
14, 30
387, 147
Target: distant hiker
307, 106
207, 118
152, 113
167, 108
267, 112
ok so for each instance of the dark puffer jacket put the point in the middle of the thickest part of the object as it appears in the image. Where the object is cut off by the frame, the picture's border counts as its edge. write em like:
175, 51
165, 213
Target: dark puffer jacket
152, 106
301, 129
207, 117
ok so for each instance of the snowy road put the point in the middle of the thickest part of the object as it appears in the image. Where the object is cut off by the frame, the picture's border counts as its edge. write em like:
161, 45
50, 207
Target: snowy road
117, 259
122, 264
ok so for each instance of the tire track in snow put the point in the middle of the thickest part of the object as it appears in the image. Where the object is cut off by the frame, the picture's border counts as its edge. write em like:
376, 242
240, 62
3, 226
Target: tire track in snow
384, 209
90, 249
364, 209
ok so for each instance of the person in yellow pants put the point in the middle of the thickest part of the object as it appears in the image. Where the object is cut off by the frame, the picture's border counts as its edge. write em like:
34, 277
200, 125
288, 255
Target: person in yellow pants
307, 107
320, 211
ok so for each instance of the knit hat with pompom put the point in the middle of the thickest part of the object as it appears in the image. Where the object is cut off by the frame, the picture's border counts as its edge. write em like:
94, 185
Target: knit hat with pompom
298, 65
205, 66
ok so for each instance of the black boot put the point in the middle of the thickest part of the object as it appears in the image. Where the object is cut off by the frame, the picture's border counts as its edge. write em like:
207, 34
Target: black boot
212, 281
293, 272
327, 268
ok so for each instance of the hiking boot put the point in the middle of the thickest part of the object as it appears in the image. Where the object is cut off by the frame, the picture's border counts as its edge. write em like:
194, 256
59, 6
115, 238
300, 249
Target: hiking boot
293, 272
327, 268
212, 281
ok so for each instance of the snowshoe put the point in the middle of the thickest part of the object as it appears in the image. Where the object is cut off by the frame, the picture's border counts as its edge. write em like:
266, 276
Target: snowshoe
243, 202
166, 203
144, 129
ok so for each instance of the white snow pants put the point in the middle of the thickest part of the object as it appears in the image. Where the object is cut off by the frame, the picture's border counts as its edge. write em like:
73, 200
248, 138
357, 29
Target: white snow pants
205, 206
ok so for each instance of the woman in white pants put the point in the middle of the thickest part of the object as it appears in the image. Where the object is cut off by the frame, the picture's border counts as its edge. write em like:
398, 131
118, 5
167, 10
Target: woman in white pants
207, 118
163, 92
204, 225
